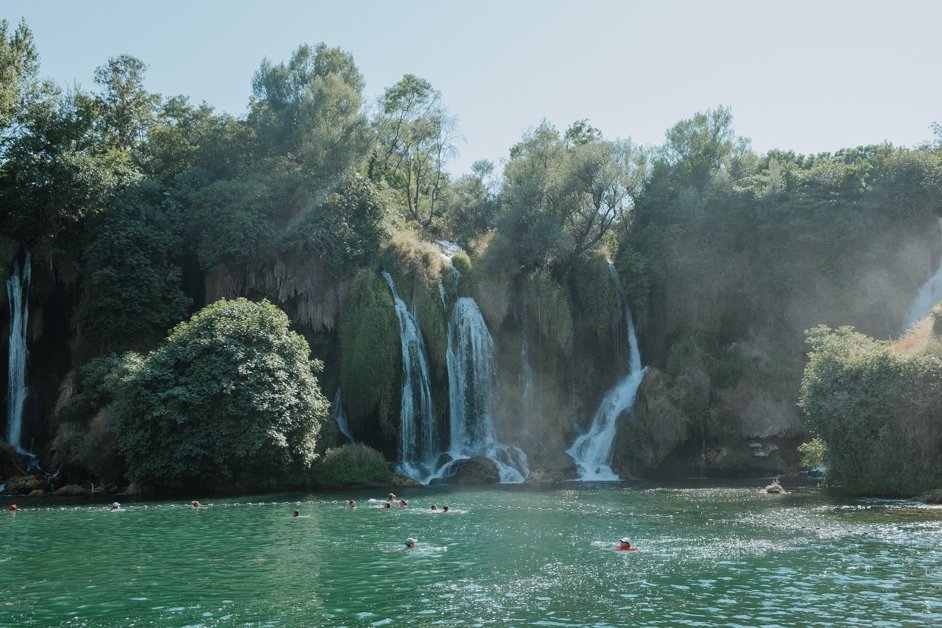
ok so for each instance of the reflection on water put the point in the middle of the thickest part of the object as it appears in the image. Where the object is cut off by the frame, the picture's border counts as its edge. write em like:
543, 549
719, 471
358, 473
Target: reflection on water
504, 555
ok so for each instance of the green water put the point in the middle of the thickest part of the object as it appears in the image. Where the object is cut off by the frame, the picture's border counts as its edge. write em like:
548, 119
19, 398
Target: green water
506, 555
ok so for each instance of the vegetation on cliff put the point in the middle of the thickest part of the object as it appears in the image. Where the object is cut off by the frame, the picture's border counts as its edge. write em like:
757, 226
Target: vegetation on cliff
140, 210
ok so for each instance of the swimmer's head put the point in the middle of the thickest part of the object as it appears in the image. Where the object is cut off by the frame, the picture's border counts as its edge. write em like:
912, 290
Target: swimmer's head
12, 506
196, 504
115, 505
445, 508
296, 513
434, 507
410, 542
624, 542
392, 497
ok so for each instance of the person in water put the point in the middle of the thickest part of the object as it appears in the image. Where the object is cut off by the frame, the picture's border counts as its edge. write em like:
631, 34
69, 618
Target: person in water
115, 506
296, 513
12, 507
392, 497
434, 508
445, 508
625, 546
387, 505
352, 504
403, 503
410, 543
196, 504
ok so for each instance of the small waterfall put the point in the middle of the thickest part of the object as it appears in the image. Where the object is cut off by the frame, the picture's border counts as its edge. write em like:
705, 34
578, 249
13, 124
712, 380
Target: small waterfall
929, 294
472, 371
340, 418
592, 451
18, 297
526, 372
418, 435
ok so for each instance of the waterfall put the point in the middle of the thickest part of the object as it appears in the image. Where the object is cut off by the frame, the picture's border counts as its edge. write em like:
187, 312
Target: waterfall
472, 371
592, 451
18, 297
418, 438
340, 418
526, 372
929, 294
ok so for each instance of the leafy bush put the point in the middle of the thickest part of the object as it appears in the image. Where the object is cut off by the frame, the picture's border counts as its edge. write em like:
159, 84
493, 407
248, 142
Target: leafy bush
352, 465
870, 404
229, 401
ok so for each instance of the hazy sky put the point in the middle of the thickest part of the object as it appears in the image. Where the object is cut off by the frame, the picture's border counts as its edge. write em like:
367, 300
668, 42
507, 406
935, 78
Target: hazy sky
809, 76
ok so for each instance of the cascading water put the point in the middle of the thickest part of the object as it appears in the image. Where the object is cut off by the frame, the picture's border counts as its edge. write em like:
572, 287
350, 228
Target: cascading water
340, 418
471, 374
592, 451
18, 298
418, 435
929, 294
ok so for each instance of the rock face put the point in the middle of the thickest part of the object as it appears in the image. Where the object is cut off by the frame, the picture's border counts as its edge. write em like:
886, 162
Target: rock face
23, 484
476, 470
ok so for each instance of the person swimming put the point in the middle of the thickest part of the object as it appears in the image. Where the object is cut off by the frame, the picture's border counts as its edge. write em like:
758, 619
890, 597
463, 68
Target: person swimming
392, 497
352, 504
296, 513
445, 508
434, 508
625, 546
115, 506
196, 504
403, 503
410, 543
12, 508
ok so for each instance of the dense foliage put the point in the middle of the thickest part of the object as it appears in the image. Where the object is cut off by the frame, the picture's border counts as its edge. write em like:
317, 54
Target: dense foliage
229, 401
140, 210
869, 404
352, 465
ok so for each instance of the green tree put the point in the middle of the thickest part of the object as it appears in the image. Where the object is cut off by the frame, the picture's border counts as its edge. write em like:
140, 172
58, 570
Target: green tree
19, 65
230, 401
415, 140
126, 109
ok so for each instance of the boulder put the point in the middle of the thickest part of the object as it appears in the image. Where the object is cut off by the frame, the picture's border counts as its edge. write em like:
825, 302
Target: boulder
36, 492
476, 470
73, 490
540, 477
23, 484
774, 489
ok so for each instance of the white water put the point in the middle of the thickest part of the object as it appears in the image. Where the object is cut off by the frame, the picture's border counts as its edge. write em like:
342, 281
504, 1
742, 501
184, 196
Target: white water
18, 297
472, 371
929, 294
340, 418
592, 451
417, 433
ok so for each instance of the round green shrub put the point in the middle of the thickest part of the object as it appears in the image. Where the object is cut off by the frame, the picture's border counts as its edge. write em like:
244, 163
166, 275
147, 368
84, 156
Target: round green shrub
352, 465
229, 401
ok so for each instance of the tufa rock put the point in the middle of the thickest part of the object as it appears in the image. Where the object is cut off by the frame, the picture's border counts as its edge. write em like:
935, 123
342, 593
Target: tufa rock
73, 490
23, 484
476, 470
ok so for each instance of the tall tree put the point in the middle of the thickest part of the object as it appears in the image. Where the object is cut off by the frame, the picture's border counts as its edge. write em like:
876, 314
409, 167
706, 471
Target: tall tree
126, 108
415, 140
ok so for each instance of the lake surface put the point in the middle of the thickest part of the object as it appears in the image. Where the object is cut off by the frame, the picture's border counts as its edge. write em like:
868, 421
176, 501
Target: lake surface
505, 555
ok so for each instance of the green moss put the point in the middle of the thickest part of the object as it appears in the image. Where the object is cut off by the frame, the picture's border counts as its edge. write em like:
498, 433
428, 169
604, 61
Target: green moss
595, 297
550, 310
462, 263
352, 465
369, 358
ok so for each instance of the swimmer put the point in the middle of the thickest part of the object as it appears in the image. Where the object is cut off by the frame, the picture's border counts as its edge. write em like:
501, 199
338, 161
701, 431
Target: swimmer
196, 504
12, 508
352, 504
387, 505
296, 513
115, 506
445, 508
410, 543
624, 546
392, 497
403, 503
434, 508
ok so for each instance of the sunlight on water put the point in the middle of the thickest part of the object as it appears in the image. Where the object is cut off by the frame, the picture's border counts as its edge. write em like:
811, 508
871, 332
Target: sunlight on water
708, 556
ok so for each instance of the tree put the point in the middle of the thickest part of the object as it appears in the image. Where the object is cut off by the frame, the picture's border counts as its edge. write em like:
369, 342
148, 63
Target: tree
415, 139
19, 65
126, 109
308, 113
230, 401
472, 203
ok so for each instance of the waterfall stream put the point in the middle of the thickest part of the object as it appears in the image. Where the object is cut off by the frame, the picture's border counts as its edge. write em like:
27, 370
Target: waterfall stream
472, 370
18, 297
340, 418
929, 294
418, 438
592, 451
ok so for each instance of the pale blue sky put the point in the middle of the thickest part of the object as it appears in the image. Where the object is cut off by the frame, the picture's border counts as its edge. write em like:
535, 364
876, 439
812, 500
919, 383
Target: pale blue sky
809, 76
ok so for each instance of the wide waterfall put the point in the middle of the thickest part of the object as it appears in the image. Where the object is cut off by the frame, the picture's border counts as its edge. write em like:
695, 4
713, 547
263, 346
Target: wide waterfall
340, 418
471, 374
18, 298
929, 294
418, 438
592, 451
